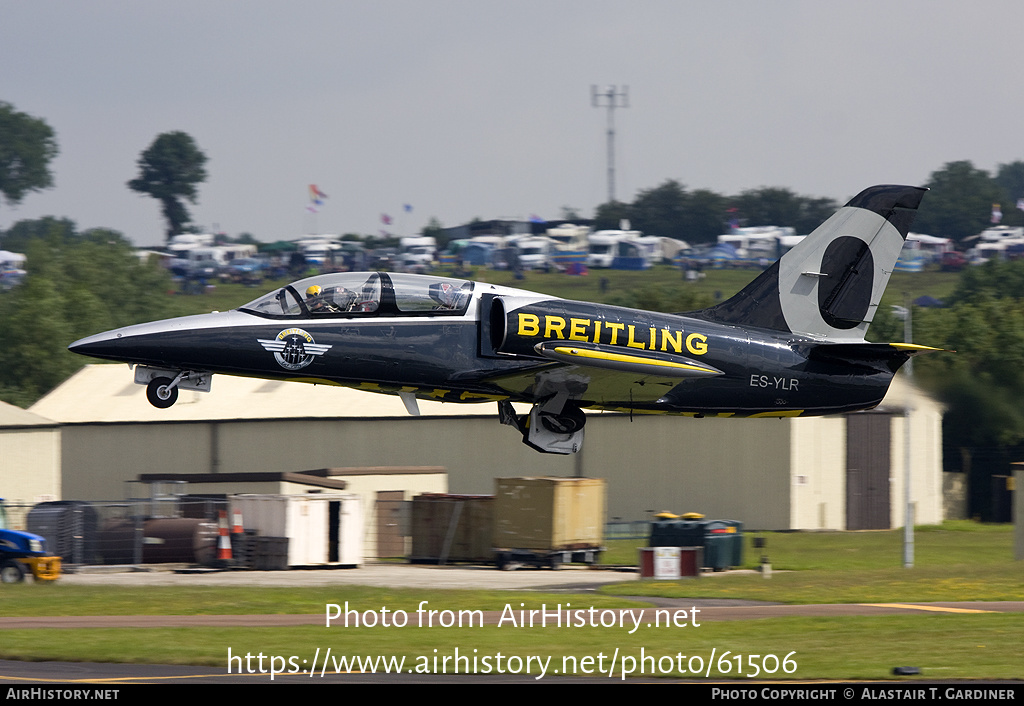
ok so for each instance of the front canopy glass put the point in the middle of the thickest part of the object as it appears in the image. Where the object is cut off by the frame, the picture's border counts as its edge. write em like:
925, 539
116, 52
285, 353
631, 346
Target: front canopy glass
360, 294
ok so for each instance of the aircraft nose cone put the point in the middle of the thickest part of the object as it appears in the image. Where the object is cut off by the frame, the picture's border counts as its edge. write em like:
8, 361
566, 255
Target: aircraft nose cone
100, 345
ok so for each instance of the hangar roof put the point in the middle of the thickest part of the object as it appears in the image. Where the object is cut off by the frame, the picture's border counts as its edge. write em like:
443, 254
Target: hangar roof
107, 393
11, 416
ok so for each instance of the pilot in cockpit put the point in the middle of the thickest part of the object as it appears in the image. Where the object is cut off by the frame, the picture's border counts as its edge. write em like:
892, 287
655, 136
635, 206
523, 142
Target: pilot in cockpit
318, 303
447, 296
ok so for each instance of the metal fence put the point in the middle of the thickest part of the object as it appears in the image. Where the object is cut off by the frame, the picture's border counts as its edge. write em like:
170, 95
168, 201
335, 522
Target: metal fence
183, 529
636, 529
133, 532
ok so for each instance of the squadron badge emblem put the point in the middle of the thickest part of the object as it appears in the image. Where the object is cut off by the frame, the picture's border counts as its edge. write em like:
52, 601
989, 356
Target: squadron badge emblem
293, 348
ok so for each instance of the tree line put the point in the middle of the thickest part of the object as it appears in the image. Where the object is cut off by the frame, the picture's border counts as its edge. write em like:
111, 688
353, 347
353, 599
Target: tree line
960, 204
76, 284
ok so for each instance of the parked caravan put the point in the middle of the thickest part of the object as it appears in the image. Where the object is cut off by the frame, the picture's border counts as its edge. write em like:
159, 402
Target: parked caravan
602, 250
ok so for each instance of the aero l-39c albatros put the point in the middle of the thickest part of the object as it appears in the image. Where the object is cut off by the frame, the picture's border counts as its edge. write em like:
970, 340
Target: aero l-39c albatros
790, 343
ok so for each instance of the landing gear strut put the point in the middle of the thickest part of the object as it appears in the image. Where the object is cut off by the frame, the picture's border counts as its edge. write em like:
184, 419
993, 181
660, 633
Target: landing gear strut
547, 428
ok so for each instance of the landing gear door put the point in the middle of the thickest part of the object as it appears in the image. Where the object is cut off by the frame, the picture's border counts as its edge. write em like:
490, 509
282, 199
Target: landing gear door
199, 382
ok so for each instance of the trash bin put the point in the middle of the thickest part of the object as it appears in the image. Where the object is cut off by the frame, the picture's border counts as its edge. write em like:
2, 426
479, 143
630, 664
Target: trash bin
722, 540
717, 545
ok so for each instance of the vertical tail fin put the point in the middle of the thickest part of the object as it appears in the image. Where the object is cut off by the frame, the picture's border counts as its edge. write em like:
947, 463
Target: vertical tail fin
830, 284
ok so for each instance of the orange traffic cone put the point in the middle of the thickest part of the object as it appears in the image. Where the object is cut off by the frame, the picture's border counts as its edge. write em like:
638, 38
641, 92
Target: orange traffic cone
223, 542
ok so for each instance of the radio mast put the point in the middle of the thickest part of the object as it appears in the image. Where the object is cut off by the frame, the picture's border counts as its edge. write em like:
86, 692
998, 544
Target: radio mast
610, 97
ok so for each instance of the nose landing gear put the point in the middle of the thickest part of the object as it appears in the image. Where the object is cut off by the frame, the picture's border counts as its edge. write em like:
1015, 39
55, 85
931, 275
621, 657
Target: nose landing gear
162, 392
162, 385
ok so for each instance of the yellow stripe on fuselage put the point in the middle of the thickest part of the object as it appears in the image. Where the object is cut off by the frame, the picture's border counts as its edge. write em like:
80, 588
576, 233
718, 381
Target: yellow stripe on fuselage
620, 358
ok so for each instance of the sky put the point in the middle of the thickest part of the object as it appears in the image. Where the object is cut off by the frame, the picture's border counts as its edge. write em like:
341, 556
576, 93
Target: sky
468, 109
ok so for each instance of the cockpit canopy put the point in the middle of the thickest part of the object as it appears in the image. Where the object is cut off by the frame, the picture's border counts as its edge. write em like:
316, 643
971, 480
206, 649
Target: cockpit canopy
359, 294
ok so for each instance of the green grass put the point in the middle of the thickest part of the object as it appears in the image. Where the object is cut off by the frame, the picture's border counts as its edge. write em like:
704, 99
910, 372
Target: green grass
959, 582
26, 600
931, 282
957, 561
943, 646
952, 542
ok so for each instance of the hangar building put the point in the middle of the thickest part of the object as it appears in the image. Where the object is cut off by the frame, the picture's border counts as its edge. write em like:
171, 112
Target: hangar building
840, 472
30, 456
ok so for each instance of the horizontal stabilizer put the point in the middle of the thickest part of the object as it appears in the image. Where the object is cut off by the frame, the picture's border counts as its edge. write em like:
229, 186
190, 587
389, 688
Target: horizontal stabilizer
890, 355
596, 355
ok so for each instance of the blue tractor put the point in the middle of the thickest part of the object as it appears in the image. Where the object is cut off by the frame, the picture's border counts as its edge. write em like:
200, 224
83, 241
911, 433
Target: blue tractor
24, 552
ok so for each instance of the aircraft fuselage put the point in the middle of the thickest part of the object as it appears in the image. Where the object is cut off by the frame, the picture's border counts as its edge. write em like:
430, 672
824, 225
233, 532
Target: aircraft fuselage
790, 343
488, 351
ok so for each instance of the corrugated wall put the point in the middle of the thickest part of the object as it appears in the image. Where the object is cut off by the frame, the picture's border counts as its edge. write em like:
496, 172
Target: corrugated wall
818, 473
724, 468
767, 473
30, 464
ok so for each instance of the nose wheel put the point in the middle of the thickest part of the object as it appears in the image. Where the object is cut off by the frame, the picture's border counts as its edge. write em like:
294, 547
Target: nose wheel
162, 384
162, 392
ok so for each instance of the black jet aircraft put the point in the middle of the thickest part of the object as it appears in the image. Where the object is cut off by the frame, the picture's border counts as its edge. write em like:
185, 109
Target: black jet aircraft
791, 343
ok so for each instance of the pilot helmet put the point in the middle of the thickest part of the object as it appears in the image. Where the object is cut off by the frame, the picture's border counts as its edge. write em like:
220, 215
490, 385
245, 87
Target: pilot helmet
313, 290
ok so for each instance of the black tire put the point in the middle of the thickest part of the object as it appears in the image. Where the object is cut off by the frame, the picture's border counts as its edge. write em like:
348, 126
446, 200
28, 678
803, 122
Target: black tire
159, 393
12, 571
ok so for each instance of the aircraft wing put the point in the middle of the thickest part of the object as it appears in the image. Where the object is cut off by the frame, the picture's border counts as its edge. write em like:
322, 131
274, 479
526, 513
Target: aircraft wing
602, 375
616, 358
592, 386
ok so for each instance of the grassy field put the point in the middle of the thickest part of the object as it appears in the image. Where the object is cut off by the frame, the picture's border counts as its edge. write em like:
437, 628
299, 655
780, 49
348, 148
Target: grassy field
717, 284
955, 562
979, 646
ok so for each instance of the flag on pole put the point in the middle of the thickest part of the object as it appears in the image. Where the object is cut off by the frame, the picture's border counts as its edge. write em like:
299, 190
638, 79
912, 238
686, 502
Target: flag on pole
316, 199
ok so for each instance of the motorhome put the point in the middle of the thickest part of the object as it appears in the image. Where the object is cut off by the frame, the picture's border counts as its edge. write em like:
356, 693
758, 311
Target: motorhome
179, 244
220, 254
418, 252
318, 249
1000, 242
757, 242
569, 246
534, 252
602, 246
